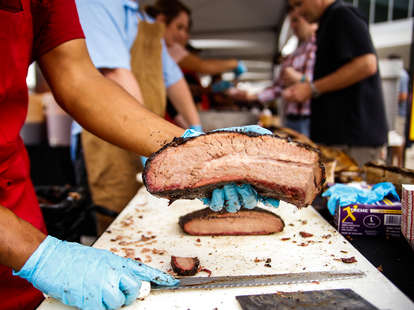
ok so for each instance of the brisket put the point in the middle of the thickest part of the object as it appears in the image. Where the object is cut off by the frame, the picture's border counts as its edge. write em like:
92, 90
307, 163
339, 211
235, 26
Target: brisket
276, 167
206, 222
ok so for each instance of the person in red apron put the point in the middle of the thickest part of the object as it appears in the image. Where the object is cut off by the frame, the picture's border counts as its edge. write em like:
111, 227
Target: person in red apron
18, 37
48, 31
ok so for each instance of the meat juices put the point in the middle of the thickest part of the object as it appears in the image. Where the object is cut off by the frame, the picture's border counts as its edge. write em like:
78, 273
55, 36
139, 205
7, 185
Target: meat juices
185, 266
276, 167
206, 222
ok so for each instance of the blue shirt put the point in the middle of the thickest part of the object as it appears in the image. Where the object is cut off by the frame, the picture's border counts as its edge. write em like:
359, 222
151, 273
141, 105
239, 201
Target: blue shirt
110, 28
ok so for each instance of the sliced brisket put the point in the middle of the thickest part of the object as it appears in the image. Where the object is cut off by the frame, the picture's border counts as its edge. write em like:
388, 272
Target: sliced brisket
276, 167
206, 222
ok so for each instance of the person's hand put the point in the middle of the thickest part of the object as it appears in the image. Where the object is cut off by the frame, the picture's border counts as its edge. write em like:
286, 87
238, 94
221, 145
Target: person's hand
233, 197
344, 195
86, 277
240, 69
198, 128
290, 76
298, 92
221, 86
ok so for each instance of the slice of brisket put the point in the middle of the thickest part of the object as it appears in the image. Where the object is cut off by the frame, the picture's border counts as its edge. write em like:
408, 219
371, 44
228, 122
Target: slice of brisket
276, 167
185, 266
206, 222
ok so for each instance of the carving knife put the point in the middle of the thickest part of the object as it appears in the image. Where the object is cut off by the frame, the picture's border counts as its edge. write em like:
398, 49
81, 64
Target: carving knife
260, 280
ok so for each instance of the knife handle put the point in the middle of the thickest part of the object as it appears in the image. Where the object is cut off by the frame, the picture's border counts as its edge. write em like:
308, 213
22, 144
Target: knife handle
144, 290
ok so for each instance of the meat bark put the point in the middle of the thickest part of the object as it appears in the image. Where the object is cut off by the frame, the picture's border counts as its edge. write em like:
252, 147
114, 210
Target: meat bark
206, 222
185, 266
276, 167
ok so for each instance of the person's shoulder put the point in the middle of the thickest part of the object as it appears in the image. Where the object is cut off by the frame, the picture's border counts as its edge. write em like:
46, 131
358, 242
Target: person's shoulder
104, 4
103, 10
347, 12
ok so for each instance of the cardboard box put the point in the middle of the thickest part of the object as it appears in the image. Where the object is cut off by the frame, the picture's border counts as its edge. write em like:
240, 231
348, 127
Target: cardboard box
382, 218
407, 221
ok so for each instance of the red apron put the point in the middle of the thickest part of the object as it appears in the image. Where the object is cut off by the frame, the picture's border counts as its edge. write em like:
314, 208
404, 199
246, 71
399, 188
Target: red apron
17, 194
16, 189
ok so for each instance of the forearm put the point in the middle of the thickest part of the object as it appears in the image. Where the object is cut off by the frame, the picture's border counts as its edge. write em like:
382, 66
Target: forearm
18, 239
181, 98
403, 97
100, 105
117, 118
354, 71
207, 66
126, 79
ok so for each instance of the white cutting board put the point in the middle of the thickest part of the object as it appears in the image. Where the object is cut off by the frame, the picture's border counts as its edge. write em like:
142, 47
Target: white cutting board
238, 255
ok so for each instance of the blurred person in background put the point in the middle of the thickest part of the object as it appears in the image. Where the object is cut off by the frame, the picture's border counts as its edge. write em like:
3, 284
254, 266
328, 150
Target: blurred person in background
403, 88
141, 65
347, 103
177, 20
295, 68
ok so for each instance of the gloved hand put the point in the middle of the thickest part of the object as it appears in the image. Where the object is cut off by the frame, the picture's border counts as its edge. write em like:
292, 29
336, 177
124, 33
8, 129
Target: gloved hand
143, 160
191, 133
86, 277
249, 128
221, 86
232, 196
197, 128
240, 69
344, 195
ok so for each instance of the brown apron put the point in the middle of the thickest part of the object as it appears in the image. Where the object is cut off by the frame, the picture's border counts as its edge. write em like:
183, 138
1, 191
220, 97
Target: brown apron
111, 170
146, 65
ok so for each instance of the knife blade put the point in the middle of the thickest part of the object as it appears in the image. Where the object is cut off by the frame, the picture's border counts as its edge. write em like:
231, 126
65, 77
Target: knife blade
260, 280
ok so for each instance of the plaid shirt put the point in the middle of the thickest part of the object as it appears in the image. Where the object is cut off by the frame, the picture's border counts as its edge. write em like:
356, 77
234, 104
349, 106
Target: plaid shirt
302, 60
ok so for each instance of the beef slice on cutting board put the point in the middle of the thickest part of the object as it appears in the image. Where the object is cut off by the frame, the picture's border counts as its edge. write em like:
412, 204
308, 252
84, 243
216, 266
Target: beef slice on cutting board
206, 222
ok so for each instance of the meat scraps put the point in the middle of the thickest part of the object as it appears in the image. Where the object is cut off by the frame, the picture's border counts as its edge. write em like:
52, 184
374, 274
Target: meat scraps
276, 167
206, 222
185, 266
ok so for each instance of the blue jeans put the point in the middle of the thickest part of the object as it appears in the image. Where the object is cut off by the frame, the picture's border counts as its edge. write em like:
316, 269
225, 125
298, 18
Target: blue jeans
301, 125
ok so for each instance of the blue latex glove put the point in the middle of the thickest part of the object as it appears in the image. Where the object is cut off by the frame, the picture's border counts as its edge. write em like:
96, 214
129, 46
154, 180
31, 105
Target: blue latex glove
344, 195
221, 86
86, 277
191, 133
240, 69
249, 128
196, 128
143, 160
232, 196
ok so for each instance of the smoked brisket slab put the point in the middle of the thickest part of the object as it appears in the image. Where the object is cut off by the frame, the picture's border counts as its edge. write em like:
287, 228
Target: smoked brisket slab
206, 222
185, 266
276, 167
